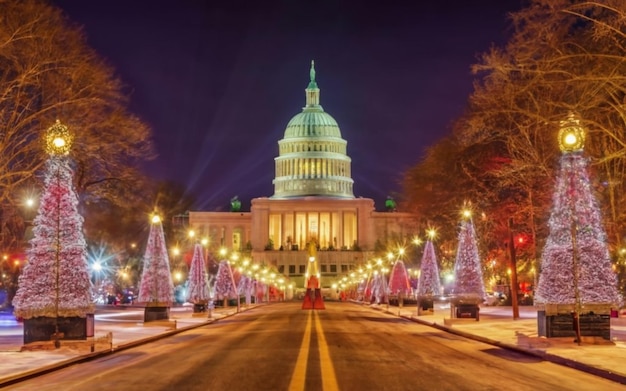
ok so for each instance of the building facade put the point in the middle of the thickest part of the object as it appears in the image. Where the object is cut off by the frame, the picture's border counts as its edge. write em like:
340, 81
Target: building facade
313, 201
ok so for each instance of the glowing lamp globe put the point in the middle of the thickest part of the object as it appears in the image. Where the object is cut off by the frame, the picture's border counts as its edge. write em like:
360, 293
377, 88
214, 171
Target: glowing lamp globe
58, 139
156, 219
571, 135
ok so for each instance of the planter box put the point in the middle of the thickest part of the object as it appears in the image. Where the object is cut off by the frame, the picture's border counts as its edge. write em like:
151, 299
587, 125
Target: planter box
153, 313
199, 307
71, 328
425, 306
563, 325
465, 311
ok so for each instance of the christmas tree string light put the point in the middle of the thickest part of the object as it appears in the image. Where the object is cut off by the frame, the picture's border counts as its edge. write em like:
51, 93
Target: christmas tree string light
575, 263
55, 282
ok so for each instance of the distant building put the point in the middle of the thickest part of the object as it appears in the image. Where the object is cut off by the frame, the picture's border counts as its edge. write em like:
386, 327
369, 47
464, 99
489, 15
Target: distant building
313, 201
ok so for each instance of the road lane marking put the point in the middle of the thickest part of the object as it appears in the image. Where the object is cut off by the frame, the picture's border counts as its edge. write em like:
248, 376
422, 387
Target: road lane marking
329, 380
298, 377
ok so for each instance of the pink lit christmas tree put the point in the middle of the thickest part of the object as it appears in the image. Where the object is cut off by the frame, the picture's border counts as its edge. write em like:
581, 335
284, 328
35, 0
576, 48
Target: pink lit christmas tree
429, 285
198, 282
225, 287
156, 286
576, 265
399, 279
55, 282
468, 277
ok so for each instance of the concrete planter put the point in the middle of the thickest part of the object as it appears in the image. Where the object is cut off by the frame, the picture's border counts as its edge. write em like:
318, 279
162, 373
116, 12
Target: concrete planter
71, 328
154, 313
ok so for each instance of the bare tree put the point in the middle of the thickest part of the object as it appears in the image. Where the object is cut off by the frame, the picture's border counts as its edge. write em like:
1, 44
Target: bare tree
48, 72
564, 56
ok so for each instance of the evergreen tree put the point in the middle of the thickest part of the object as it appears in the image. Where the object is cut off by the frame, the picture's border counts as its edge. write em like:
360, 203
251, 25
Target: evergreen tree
399, 279
198, 282
224, 282
429, 284
55, 281
575, 257
156, 280
468, 276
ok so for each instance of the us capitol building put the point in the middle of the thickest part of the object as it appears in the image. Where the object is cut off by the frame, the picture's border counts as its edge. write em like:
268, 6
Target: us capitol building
313, 201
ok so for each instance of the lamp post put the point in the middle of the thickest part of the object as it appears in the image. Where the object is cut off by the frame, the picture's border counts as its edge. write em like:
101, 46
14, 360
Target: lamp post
58, 143
571, 140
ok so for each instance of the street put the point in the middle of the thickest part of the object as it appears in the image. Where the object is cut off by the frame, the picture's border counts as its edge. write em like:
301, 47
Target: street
345, 347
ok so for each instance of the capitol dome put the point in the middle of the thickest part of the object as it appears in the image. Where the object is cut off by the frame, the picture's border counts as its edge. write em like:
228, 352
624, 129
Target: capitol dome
312, 157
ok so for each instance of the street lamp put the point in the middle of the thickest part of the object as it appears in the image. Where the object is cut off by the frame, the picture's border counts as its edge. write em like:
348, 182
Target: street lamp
58, 143
572, 139
97, 268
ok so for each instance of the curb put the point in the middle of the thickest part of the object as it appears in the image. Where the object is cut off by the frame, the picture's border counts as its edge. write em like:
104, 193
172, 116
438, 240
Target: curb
14, 379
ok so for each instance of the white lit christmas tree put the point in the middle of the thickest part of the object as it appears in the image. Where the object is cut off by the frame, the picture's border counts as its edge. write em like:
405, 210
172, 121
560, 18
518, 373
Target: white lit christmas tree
429, 284
379, 288
225, 287
468, 277
55, 282
575, 259
246, 287
198, 281
156, 286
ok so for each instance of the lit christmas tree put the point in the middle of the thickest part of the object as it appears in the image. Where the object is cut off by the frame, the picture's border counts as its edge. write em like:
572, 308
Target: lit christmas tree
379, 288
468, 277
156, 286
225, 287
429, 284
575, 259
246, 287
55, 282
198, 282
399, 279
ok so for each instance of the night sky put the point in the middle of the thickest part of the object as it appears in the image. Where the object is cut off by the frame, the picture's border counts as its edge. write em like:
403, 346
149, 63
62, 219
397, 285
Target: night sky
218, 81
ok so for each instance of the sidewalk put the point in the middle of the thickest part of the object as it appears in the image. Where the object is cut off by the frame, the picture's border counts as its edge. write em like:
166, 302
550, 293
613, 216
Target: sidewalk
496, 327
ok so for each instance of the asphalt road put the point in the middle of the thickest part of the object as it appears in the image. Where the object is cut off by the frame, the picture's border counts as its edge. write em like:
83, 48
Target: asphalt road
345, 347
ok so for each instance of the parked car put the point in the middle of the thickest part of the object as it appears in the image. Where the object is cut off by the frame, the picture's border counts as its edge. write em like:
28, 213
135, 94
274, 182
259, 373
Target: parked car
494, 298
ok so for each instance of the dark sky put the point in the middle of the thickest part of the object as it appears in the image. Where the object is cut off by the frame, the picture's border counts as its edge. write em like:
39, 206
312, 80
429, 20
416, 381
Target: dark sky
218, 81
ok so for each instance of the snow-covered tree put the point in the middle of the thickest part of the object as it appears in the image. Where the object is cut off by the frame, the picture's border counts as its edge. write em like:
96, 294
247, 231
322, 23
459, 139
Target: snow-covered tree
399, 279
156, 280
55, 281
225, 287
468, 276
429, 284
582, 264
198, 282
